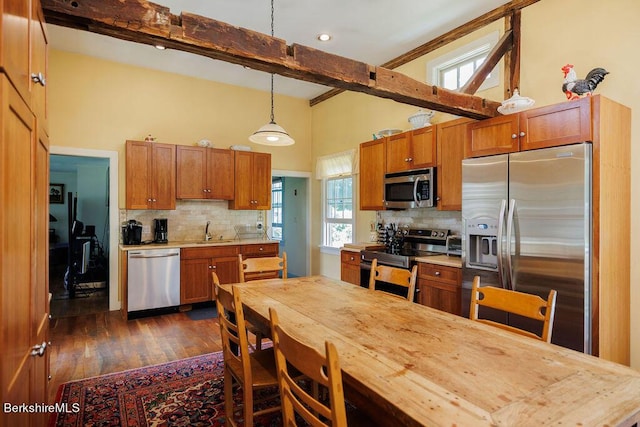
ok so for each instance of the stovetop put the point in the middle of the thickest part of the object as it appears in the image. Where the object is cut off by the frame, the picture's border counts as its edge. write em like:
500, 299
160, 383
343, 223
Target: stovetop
402, 248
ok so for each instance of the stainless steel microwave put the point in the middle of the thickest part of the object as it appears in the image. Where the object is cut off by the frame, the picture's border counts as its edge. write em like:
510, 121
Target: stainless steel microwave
406, 190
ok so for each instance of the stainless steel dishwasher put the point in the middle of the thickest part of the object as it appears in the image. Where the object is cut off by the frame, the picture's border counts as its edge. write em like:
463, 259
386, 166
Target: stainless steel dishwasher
153, 279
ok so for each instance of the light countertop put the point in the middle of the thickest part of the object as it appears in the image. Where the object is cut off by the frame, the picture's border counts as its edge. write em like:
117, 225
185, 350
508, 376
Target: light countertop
197, 244
449, 261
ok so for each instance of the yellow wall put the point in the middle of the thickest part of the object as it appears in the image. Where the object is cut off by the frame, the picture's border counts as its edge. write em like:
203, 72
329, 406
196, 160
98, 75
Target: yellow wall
100, 104
602, 34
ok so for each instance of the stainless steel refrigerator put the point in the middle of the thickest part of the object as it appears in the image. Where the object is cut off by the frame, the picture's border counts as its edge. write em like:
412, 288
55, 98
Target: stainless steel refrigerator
526, 221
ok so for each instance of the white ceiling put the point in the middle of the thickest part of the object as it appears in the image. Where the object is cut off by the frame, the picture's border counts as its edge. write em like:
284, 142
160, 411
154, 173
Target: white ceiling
371, 31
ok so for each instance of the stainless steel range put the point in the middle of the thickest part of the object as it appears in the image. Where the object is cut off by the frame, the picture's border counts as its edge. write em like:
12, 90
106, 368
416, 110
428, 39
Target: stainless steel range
403, 246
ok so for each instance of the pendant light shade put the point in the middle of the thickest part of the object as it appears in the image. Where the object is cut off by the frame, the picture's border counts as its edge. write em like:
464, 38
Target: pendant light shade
271, 133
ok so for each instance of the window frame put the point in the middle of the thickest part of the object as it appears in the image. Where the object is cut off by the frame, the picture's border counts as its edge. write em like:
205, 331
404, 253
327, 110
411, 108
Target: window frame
274, 206
462, 56
326, 221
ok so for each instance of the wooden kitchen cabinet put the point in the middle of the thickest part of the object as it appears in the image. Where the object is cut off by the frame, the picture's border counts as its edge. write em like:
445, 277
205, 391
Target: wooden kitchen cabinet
252, 181
411, 150
196, 265
554, 125
451, 138
24, 223
372, 167
204, 173
440, 287
259, 250
350, 267
150, 175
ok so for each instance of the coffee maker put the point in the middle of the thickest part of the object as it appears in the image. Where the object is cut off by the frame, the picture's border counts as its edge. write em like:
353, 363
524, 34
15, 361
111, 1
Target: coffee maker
131, 232
160, 233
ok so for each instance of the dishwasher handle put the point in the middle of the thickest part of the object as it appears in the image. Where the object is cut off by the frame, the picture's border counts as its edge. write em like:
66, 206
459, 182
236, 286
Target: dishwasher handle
140, 255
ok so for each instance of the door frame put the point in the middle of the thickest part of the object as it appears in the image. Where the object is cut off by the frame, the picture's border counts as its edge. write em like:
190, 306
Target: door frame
114, 303
307, 175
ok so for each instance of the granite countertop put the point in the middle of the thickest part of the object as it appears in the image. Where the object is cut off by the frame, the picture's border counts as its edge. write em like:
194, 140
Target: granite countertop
196, 244
450, 261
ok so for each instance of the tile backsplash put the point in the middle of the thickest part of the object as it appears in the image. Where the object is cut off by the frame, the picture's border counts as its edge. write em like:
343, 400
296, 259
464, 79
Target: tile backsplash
423, 218
189, 219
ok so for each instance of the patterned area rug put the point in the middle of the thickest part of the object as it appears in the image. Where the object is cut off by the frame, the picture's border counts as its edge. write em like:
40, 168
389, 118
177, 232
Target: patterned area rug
187, 392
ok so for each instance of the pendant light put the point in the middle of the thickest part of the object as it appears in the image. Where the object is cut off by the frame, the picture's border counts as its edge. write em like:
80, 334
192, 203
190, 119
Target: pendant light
271, 133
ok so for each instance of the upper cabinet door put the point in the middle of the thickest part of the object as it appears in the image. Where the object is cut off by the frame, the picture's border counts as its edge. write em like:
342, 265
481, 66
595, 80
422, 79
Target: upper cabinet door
138, 174
399, 152
423, 147
191, 170
220, 174
39, 66
372, 166
560, 124
163, 184
14, 46
498, 135
262, 181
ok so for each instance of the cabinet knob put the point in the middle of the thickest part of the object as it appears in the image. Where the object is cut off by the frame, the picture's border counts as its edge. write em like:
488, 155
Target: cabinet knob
437, 273
38, 78
522, 134
149, 200
411, 159
352, 259
261, 248
514, 136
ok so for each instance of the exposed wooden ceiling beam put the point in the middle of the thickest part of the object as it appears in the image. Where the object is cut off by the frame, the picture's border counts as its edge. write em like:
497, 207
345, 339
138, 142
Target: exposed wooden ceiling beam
145, 22
493, 57
463, 30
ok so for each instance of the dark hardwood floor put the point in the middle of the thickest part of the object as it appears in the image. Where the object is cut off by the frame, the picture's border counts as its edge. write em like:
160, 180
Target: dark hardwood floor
100, 343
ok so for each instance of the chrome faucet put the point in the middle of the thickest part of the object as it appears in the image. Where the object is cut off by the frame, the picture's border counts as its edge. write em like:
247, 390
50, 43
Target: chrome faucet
207, 236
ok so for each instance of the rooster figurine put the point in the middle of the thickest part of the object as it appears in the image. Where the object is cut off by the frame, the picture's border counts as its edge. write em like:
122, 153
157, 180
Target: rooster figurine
574, 88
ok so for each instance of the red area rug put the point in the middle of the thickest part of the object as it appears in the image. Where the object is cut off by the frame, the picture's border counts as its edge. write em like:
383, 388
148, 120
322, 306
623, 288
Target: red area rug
187, 392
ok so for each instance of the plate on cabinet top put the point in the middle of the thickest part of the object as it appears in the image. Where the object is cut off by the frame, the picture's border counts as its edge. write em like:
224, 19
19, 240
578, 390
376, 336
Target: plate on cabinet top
388, 132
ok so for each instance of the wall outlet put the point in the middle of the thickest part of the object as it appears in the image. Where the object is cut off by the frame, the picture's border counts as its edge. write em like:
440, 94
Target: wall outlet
259, 225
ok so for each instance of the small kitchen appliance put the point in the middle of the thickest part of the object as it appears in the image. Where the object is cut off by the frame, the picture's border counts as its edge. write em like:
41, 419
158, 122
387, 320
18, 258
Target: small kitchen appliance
131, 232
413, 189
160, 233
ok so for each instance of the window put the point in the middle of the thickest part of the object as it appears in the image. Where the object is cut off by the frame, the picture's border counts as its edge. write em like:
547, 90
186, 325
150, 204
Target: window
277, 190
452, 70
338, 211
338, 220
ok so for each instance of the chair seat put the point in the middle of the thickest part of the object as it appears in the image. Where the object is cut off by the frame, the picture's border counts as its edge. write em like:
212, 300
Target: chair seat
263, 370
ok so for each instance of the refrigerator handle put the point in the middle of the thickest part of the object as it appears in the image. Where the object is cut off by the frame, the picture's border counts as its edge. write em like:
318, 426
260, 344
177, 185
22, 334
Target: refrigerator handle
503, 208
512, 211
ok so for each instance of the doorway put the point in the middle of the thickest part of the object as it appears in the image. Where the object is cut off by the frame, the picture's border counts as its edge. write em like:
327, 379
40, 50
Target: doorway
289, 219
91, 176
78, 191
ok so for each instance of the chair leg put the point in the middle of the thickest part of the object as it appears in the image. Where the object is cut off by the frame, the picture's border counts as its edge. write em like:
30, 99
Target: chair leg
247, 391
228, 397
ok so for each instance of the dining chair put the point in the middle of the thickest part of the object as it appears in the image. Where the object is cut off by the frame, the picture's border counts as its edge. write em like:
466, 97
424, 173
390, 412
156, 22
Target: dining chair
261, 267
322, 369
251, 370
395, 276
520, 303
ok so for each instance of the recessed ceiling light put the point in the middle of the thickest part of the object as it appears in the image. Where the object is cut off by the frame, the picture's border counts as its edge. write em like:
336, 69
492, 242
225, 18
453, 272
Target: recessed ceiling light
324, 37
160, 47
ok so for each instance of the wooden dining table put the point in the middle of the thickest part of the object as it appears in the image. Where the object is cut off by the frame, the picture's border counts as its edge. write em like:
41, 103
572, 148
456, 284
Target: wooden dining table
410, 365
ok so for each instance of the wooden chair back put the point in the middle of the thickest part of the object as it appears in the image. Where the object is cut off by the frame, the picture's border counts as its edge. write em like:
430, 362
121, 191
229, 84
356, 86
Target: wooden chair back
323, 369
256, 268
396, 276
520, 303
235, 343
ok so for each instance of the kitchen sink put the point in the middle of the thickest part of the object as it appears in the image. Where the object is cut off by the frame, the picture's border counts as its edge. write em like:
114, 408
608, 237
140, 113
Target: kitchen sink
213, 241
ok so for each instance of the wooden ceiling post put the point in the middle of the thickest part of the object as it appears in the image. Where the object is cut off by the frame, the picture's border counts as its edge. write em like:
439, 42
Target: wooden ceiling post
512, 60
